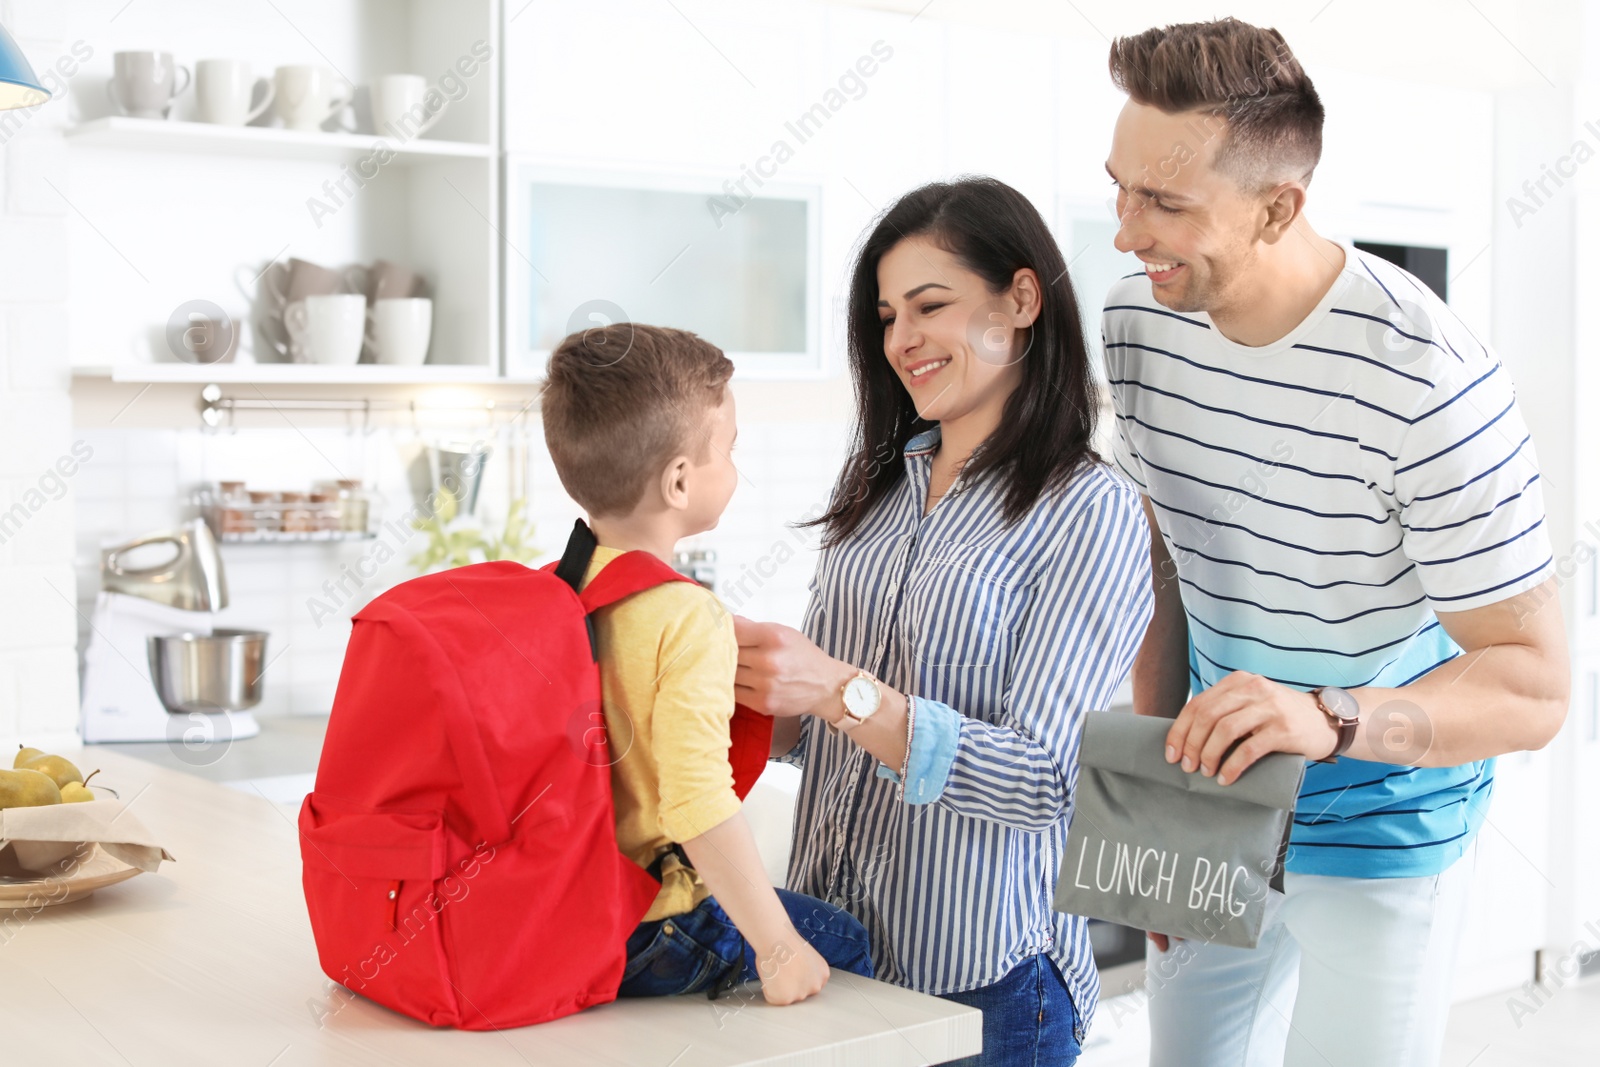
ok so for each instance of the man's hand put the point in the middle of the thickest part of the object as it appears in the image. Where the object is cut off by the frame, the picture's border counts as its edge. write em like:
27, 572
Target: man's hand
1258, 715
783, 673
791, 971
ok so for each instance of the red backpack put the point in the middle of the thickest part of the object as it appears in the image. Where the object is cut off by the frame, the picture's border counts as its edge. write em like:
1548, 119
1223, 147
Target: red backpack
459, 850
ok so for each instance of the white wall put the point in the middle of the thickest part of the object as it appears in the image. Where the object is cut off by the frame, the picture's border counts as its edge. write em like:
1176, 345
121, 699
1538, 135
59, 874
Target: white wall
38, 680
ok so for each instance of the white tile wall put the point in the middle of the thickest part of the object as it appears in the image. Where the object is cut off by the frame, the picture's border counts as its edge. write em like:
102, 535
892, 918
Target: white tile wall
140, 480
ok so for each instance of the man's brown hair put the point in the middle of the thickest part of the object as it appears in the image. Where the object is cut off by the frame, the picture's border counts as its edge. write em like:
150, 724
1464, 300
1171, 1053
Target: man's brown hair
619, 401
1240, 73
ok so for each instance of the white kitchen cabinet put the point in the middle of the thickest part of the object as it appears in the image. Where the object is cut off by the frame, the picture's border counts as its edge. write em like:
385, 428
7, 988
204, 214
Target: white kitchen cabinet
166, 212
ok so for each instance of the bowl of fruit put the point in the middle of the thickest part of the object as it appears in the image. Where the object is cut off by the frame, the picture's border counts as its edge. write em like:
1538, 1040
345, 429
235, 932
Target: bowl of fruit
62, 837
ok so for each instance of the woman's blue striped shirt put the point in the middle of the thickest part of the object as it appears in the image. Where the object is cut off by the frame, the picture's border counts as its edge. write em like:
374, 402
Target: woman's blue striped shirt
1005, 637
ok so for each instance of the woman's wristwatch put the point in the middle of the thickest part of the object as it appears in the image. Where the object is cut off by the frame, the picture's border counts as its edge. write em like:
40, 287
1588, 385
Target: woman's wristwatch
862, 696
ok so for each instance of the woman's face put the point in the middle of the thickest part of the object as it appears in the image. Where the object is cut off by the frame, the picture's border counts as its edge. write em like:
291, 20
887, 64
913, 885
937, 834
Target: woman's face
956, 346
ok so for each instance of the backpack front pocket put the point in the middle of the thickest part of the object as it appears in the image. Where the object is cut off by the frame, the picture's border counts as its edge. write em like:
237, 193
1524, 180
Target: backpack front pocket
372, 889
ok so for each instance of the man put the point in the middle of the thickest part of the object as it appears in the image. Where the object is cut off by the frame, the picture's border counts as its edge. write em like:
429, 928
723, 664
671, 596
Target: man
1350, 558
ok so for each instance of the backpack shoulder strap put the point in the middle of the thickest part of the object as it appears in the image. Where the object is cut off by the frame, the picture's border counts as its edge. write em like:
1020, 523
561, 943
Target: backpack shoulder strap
630, 573
574, 562
634, 572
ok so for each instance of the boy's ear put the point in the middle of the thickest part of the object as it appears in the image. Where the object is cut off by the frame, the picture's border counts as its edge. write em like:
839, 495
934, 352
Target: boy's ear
675, 483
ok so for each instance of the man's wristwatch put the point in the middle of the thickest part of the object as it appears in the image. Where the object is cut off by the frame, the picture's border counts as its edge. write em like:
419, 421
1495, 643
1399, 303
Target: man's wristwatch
1341, 708
862, 696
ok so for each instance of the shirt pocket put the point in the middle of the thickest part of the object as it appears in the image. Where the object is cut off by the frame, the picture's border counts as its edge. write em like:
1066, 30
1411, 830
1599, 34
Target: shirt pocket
963, 606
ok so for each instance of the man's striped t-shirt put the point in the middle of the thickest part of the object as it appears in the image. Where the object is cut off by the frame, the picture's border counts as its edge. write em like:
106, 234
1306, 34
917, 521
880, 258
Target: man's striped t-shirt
1323, 496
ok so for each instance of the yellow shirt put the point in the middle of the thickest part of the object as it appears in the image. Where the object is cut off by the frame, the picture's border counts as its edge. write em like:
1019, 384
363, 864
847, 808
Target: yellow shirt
667, 658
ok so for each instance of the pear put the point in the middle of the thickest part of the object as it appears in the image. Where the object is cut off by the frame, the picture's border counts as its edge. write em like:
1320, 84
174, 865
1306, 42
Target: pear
25, 788
60, 769
75, 793
26, 756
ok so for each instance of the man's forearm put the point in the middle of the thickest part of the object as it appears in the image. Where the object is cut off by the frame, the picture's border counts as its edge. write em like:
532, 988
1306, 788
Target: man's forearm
1507, 692
1485, 703
1161, 669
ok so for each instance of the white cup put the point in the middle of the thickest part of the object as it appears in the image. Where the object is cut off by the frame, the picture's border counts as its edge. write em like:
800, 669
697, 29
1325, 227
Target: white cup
326, 329
224, 89
306, 96
144, 84
401, 330
400, 108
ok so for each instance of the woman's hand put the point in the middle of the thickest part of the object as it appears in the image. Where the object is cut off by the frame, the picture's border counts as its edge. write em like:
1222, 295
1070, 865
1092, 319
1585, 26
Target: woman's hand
784, 674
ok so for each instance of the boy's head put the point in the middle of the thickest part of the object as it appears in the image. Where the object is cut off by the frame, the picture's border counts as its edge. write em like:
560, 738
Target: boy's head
1212, 153
640, 418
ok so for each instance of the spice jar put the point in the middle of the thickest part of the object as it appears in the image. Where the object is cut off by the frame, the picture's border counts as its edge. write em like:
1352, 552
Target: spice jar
354, 508
267, 511
297, 517
325, 514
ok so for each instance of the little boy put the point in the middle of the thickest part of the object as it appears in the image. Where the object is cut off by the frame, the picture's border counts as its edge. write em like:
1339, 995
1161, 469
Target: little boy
639, 421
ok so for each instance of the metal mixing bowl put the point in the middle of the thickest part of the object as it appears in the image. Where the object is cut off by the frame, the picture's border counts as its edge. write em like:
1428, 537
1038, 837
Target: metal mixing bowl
208, 673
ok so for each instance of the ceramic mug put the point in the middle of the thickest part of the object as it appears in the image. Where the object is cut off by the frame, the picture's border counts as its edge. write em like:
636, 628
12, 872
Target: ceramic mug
305, 278
143, 84
401, 330
400, 109
391, 281
327, 329
223, 90
307, 96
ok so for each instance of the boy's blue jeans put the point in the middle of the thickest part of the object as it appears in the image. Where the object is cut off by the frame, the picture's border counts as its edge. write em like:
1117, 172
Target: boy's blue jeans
702, 949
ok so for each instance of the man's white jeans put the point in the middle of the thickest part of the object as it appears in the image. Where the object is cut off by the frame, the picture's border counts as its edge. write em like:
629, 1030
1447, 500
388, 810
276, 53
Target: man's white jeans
1349, 972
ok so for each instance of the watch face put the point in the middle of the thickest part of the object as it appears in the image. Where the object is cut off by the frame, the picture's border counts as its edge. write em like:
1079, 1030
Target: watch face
1340, 702
861, 697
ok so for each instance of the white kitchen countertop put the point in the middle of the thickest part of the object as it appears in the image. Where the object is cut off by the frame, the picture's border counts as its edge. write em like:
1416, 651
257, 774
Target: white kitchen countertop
211, 961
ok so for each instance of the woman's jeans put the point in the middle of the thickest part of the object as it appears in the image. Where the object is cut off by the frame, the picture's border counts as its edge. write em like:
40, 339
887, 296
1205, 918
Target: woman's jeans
702, 950
1028, 1018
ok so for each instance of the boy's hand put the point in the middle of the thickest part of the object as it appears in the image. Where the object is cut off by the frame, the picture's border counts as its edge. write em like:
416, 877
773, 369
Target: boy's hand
791, 971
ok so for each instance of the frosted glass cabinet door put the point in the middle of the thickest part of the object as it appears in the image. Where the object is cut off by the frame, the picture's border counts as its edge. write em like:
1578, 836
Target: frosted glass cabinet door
601, 248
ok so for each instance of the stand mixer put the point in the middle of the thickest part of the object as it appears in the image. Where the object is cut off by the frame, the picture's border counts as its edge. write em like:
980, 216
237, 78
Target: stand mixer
154, 661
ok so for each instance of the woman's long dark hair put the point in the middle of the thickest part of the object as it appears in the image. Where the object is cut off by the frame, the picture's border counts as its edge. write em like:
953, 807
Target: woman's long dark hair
1047, 426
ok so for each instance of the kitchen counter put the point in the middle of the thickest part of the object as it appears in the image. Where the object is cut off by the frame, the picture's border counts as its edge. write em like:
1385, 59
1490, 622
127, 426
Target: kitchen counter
211, 960
287, 744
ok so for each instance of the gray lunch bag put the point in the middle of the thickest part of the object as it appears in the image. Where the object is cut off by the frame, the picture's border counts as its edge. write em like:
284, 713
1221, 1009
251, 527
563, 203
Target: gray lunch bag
1158, 848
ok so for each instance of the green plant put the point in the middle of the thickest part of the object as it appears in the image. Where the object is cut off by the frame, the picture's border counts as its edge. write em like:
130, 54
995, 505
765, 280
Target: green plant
457, 547
516, 540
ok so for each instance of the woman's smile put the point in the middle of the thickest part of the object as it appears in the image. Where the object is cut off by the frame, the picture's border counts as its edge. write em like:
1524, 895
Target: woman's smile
924, 369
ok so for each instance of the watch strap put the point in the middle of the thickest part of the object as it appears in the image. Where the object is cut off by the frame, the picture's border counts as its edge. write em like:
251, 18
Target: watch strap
1346, 728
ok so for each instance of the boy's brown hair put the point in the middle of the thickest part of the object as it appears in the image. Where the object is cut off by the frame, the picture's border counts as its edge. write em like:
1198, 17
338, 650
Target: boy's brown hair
1242, 74
619, 401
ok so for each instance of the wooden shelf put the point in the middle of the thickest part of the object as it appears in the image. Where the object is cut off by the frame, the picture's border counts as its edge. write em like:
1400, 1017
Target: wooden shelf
157, 135
292, 374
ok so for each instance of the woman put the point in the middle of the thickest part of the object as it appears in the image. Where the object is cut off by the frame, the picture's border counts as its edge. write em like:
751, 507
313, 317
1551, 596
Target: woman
984, 584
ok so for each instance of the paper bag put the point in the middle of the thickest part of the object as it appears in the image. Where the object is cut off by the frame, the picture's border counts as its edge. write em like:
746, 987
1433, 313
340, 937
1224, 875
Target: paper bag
1158, 848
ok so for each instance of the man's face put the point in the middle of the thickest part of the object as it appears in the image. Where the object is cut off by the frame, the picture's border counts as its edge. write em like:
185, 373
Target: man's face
1178, 212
